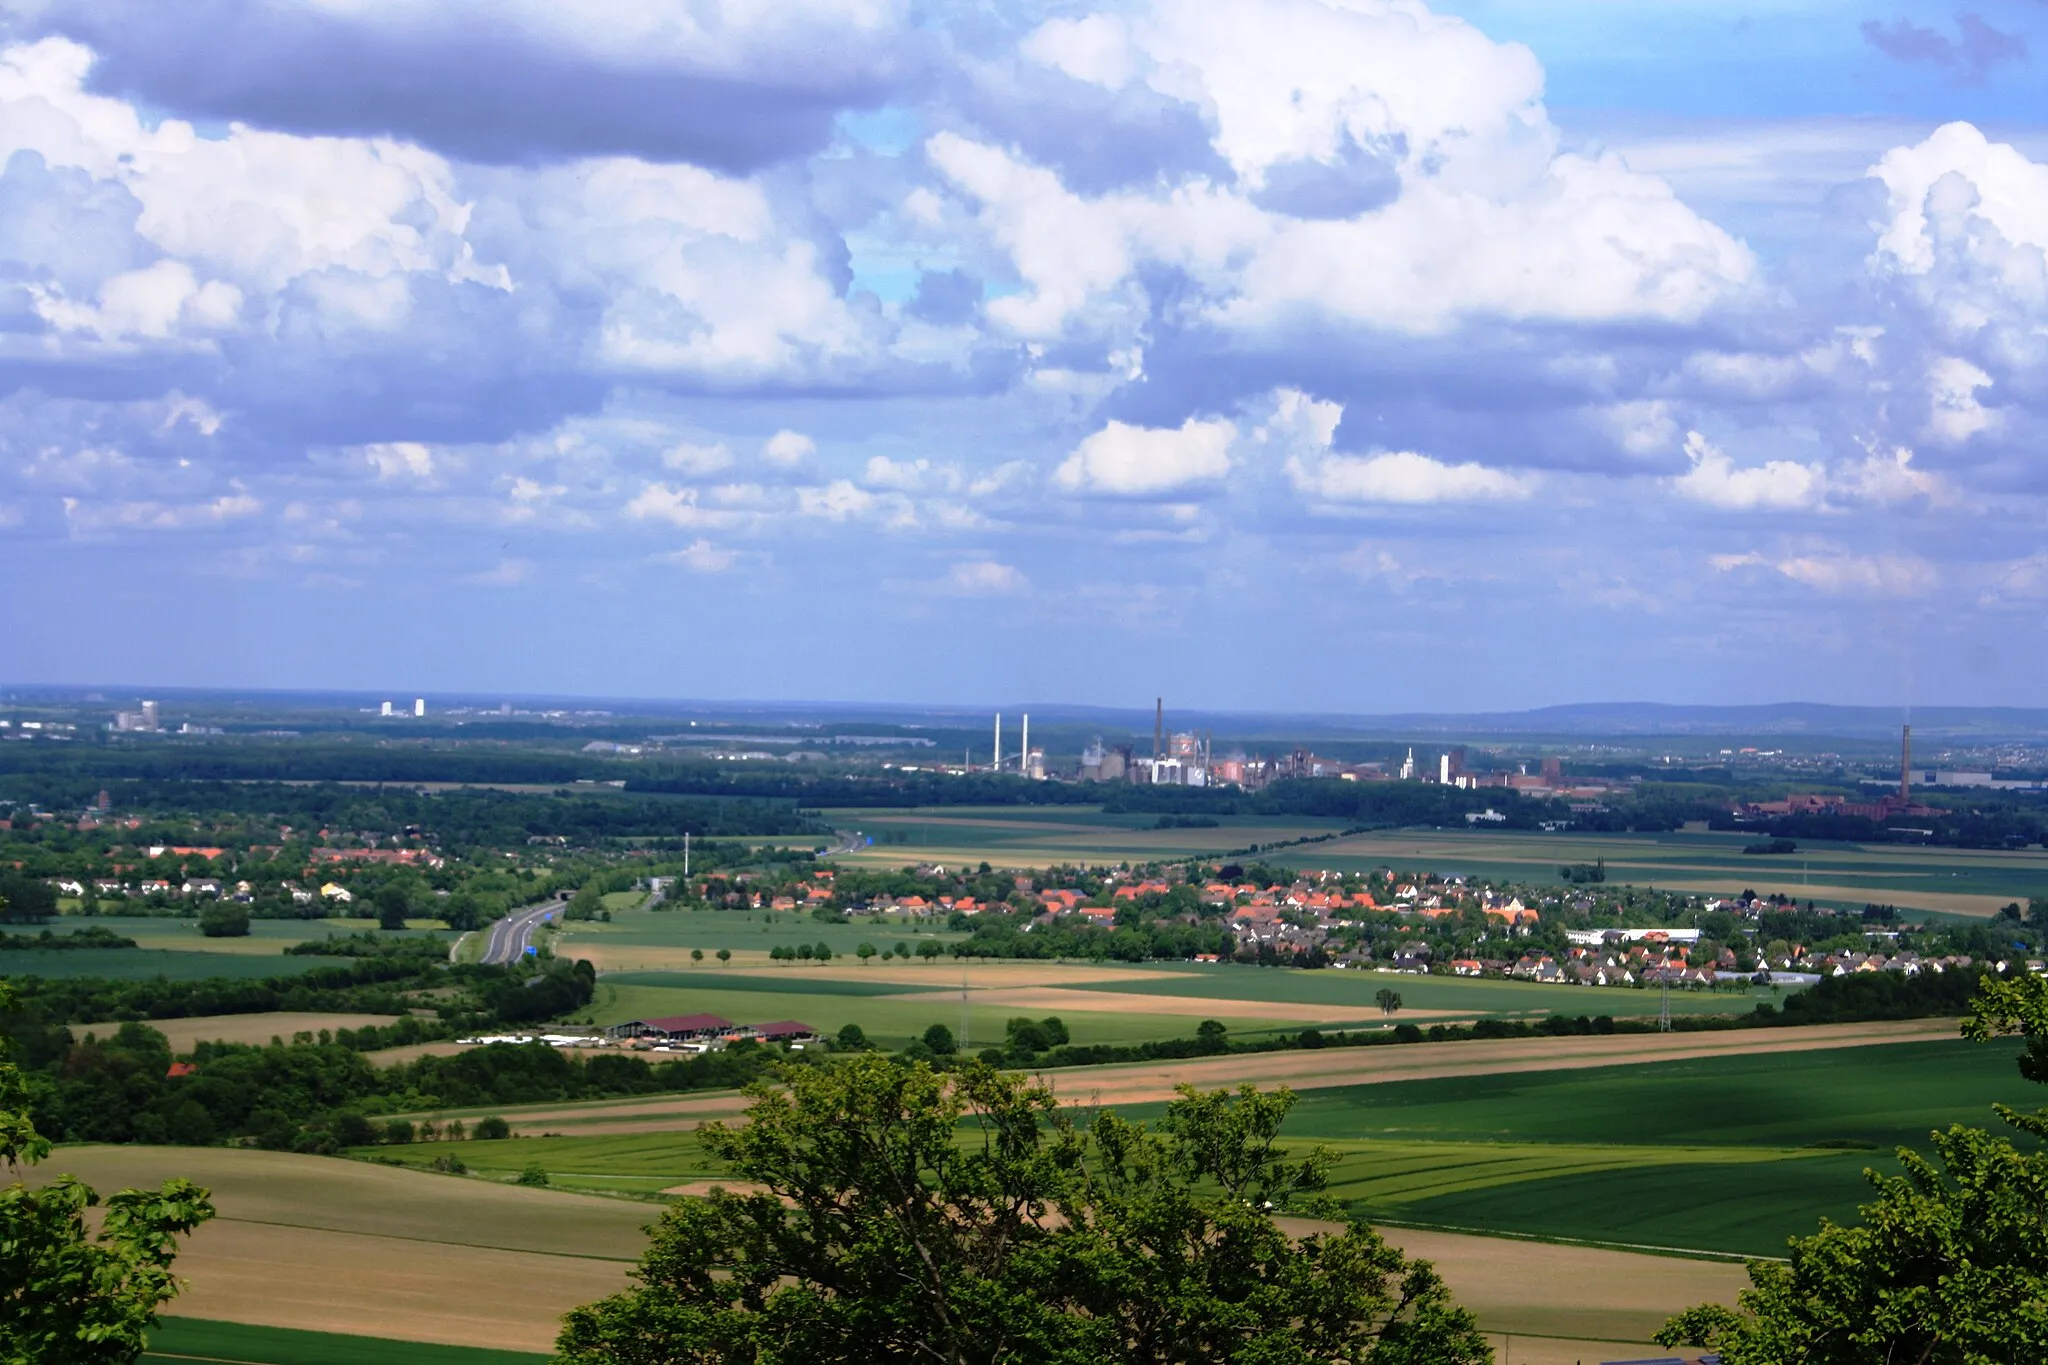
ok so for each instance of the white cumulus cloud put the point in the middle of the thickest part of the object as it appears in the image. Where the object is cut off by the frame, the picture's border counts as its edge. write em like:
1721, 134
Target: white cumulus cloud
1403, 476
1776, 486
985, 578
701, 556
788, 449
1842, 573
1133, 461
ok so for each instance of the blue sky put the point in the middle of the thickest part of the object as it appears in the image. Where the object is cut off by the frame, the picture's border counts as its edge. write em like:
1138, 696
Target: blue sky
1291, 354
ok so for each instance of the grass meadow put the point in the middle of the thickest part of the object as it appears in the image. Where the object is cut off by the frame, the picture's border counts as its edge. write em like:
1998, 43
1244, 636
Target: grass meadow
1461, 995
233, 1343
890, 1019
664, 938
1725, 1155
175, 949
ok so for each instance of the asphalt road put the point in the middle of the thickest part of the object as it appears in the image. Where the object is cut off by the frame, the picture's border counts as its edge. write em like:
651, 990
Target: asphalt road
510, 936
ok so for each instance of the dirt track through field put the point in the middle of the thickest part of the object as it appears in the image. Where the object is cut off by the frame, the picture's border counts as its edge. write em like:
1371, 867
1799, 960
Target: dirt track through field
1149, 1083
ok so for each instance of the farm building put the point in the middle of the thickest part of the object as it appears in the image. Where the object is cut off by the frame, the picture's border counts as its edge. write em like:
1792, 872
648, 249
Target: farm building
710, 1029
781, 1031
674, 1028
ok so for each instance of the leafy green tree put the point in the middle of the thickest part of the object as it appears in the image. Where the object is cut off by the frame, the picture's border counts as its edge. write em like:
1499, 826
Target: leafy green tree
877, 1233
696, 954
929, 950
724, 955
1388, 999
1212, 1036
822, 952
69, 1296
224, 919
864, 952
24, 900
940, 1040
393, 906
851, 1038
462, 913
1947, 1266
1025, 1035
491, 1129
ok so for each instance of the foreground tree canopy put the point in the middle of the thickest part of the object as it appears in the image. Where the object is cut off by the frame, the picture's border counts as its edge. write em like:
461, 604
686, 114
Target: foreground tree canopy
1949, 1265
888, 1212
68, 1297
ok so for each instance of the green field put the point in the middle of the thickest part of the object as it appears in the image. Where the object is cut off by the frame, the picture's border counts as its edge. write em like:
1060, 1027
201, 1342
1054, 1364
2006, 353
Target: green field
175, 949
1882, 1095
740, 930
1014, 836
1284, 986
1730, 1154
639, 1164
141, 964
233, 1343
888, 1021
1946, 880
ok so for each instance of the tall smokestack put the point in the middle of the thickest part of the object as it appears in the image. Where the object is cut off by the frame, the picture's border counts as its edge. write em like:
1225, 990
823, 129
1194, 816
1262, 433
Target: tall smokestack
997, 766
1906, 765
1158, 726
1024, 754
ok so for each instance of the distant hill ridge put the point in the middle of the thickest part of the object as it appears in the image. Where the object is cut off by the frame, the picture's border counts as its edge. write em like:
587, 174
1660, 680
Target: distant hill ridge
1637, 719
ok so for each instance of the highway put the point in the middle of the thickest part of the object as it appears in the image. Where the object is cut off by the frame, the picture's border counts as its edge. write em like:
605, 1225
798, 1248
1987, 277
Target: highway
510, 936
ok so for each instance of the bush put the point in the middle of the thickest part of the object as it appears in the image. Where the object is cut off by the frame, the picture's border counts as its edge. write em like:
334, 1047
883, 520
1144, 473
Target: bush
227, 920
533, 1175
492, 1129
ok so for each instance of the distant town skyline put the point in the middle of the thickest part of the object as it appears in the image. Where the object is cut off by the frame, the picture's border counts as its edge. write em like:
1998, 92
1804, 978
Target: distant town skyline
1357, 356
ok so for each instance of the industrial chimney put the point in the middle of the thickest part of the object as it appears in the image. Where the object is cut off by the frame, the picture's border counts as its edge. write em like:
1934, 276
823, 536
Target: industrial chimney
997, 766
1906, 766
1158, 727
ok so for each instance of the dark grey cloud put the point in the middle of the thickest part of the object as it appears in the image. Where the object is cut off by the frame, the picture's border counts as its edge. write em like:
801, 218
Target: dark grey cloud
1098, 140
1971, 54
488, 94
1358, 180
946, 296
